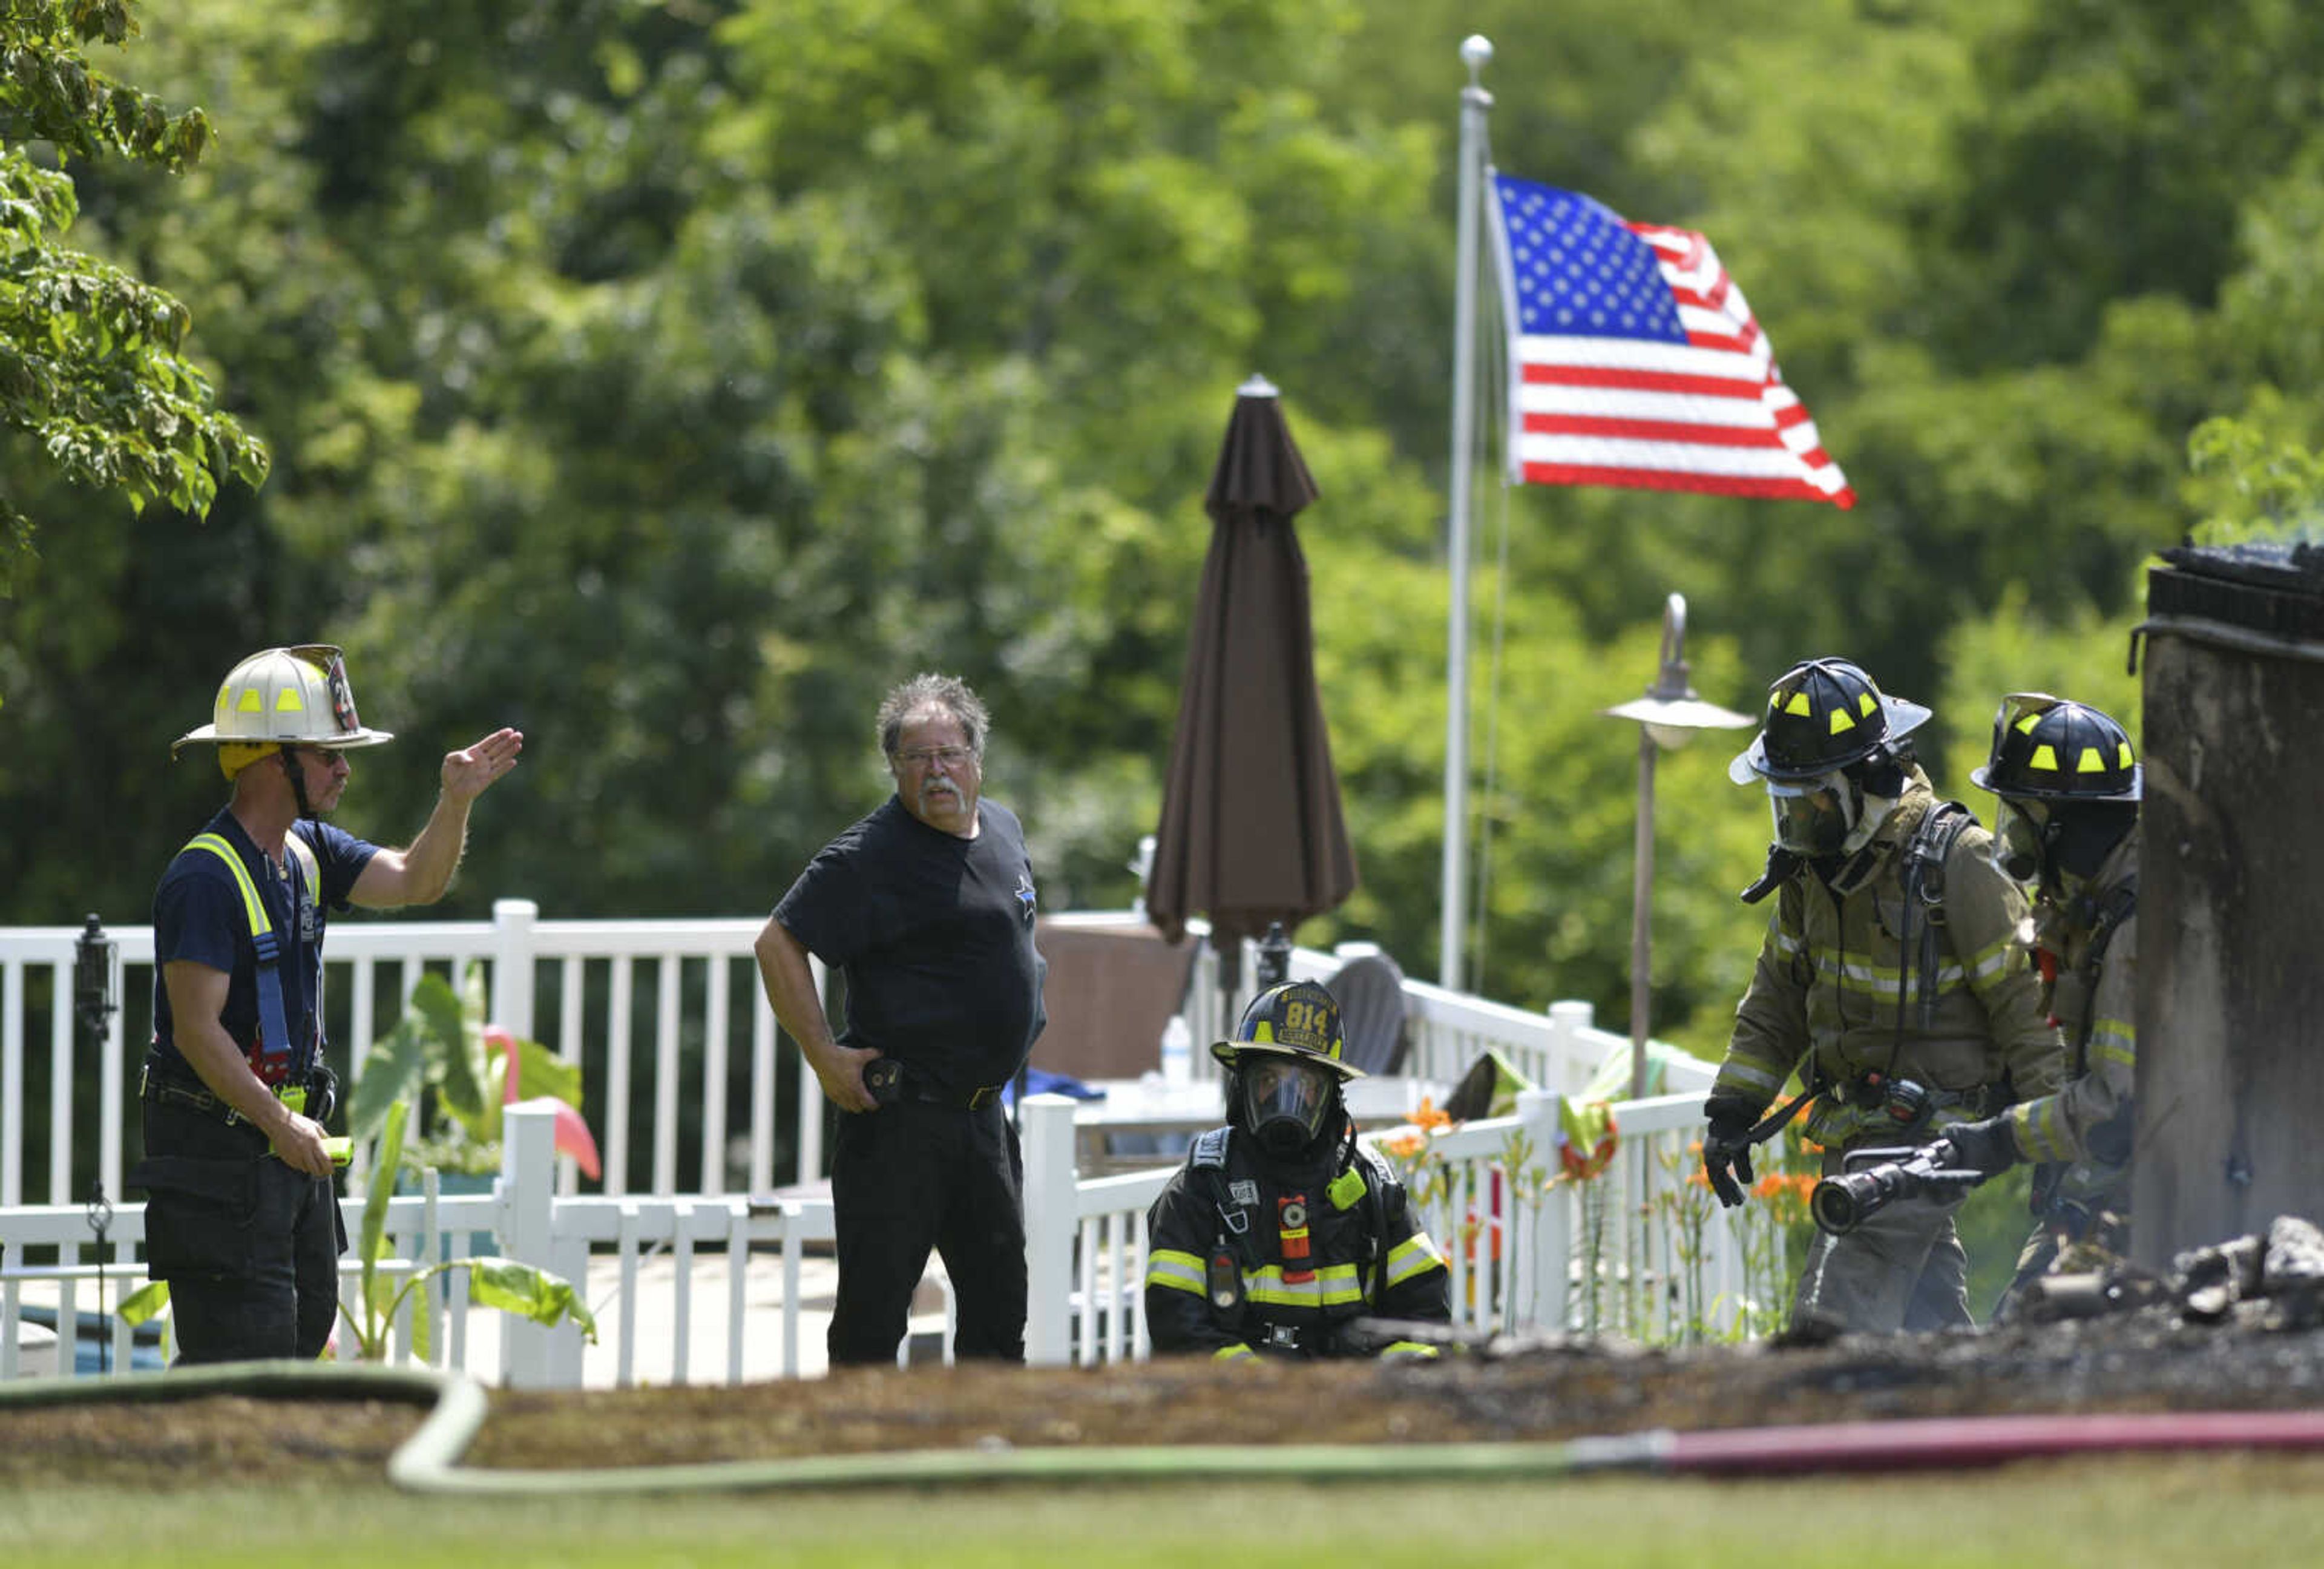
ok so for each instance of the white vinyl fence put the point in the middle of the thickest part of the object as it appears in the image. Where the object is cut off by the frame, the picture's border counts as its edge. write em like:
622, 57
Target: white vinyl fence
711, 1138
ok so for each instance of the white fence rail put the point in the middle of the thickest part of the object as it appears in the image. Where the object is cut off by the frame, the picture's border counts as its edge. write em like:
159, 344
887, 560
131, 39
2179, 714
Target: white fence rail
694, 1090
712, 1137
604, 993
1526, 1251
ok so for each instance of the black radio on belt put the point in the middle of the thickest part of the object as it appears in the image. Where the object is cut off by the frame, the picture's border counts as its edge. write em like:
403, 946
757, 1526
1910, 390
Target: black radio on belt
1905, 1101
884, 1077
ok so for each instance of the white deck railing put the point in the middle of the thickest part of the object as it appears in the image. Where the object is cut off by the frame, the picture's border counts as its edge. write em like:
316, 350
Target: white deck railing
650, 1009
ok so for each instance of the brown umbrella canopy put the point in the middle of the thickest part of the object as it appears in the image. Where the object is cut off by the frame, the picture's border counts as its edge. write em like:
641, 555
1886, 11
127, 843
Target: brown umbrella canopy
1251, 829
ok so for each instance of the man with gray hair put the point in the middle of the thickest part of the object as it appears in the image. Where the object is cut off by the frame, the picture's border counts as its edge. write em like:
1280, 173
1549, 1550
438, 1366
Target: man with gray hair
926, 907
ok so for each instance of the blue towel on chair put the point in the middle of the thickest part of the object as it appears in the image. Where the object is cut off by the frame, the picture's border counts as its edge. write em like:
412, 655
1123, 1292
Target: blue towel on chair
1040, 1080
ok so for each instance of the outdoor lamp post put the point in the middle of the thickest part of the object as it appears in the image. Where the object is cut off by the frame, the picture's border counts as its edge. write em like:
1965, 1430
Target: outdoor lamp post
93, 971
1667, 715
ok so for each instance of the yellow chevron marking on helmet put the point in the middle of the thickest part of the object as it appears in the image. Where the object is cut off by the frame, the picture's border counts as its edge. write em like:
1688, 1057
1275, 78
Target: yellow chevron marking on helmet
287, 701
1841, 721
1865, 705
2123, 757
2093, 761
1264, 1031
1797, 705
251, 703
2025, 725
2044, 758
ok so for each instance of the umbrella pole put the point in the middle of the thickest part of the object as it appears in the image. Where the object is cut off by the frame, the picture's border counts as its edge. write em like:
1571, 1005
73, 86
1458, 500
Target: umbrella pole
1229, 957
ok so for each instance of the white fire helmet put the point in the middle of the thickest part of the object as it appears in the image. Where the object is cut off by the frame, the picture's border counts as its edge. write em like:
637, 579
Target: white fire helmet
285, 696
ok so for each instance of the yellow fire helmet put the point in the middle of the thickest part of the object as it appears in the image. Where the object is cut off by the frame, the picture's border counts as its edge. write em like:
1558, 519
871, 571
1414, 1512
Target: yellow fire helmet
286, 697
1298, 1019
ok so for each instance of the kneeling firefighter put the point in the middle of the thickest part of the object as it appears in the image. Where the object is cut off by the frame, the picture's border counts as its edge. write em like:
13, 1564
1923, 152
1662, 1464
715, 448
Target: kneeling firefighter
1281, 1230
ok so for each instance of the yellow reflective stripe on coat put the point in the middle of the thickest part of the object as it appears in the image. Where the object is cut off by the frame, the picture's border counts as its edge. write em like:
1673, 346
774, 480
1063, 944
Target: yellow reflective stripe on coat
254, 907
1237, 1352
1416, 1255
1881, 981
1333, 1286
2039, 1135
2114, 1040
1741, 1072
1408, 1351
1991, 962
1177, 1270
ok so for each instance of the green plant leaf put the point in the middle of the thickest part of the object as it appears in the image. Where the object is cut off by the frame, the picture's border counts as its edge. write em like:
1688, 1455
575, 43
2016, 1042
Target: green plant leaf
536, 1293
142, 1304
371, 1331
456, 1054
541, 1072
472, 1090
394, 1069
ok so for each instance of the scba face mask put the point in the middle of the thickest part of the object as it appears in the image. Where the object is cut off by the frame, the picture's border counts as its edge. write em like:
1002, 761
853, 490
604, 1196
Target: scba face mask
1285, 1103
1815, 817
2019, 829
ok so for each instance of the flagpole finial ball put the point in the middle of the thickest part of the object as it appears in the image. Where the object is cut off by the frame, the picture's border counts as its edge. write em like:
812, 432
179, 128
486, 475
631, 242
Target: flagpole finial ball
1476, 50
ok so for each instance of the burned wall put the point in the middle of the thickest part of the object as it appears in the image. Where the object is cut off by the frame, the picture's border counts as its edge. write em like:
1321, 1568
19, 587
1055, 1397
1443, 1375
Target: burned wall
2230, 1096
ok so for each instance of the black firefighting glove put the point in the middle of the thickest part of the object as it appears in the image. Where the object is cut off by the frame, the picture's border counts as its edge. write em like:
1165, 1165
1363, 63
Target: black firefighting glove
1727, 1143
1990, 1146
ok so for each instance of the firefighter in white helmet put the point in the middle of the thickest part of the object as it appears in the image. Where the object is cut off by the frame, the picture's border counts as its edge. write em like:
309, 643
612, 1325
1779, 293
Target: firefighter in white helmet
242, 1221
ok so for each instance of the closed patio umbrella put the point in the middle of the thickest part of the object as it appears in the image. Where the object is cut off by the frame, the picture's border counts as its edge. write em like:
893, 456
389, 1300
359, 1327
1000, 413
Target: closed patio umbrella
1251, 828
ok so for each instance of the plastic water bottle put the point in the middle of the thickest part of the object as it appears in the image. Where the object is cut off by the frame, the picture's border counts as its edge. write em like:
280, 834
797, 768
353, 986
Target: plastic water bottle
1178, 1051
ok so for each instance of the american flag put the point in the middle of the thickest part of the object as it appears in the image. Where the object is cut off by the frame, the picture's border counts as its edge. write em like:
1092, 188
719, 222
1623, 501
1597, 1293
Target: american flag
1633, 360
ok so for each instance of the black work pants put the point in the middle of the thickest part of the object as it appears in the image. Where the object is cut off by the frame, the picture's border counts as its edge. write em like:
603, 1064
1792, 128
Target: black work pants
249, 1246
910, 1178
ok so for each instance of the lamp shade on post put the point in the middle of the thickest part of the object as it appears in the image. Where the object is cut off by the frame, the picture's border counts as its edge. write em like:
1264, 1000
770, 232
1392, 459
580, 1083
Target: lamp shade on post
1667, 717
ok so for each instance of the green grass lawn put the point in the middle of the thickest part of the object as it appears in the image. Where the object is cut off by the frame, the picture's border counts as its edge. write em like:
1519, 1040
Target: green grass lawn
2106, 1514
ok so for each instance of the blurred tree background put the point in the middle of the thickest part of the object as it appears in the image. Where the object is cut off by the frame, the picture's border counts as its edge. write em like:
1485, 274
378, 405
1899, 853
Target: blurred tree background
669, 377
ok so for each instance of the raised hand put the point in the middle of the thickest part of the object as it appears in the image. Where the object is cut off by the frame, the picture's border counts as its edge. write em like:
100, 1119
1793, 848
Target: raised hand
469, 773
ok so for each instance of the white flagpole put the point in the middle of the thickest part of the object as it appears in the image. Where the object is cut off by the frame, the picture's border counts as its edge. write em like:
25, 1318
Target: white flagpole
1476, 50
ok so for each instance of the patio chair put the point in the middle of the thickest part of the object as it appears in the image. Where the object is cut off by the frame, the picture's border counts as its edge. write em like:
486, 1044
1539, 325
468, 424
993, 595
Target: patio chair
1369, 991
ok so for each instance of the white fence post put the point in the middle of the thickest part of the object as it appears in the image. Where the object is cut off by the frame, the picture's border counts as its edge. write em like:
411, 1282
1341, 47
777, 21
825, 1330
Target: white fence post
1539, 1245
512, 922
1052, 1224
528, 1199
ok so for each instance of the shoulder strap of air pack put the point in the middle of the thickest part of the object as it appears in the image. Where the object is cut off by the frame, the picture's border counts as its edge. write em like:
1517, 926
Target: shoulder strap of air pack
272, 1018
1924, 901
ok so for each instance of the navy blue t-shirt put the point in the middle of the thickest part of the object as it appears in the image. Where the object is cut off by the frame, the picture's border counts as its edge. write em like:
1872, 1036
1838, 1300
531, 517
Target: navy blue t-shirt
934, 934
198, 916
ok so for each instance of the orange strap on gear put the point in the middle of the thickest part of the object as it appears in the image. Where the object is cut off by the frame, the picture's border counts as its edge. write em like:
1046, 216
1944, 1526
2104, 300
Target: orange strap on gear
1291, 1230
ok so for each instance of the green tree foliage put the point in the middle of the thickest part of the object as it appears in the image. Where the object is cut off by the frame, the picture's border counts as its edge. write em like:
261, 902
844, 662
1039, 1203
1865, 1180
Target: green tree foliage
670, 379
93, 379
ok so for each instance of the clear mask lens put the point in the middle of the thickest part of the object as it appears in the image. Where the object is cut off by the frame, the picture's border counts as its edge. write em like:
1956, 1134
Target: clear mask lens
1813, 816
1285, 1102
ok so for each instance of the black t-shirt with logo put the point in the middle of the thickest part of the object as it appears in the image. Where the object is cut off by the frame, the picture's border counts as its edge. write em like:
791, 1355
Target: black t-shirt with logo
934, 936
